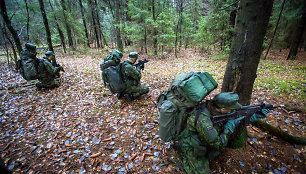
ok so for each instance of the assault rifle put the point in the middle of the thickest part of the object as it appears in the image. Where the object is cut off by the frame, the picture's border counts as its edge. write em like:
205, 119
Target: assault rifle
246, 111
141, 63
57, 65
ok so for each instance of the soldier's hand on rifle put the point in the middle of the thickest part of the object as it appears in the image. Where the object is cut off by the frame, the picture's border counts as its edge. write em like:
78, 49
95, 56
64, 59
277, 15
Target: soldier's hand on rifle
258, 115
231, 125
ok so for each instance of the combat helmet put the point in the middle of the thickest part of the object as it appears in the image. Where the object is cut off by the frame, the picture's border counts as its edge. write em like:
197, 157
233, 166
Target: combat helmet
133, 55
227, 100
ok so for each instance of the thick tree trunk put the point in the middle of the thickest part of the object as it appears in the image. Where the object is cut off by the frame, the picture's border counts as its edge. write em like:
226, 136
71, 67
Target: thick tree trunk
252, 20
59, 30
84, 22
298, 35
11, 42
43, 13
9, 25
68, 28
118, 34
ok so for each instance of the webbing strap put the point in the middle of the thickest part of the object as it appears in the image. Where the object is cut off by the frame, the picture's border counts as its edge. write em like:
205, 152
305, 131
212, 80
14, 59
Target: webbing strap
203, 106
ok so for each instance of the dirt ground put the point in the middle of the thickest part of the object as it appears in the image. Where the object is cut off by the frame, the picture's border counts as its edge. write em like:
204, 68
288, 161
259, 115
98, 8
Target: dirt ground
81, 127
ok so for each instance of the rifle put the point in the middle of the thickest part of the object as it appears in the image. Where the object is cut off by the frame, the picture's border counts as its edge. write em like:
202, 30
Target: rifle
141, 63
246, 111
57, 65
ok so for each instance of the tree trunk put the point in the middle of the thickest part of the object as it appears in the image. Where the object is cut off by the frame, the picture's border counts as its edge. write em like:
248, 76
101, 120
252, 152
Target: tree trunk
118, 35
154, 29
59, 30
11, 42
94, 23
43, 13
68, 28
299, 34
178, 26
28, 20
9, 25
252, 20
84, 22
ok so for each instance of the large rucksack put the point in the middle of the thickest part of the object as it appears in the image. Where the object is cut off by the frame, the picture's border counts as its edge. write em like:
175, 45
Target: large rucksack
112, 72
186, 91
113, 78
27, 65
113, 59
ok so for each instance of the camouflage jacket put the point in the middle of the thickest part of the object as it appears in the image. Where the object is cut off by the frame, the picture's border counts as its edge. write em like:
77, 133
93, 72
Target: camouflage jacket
210, 136
131, 74
46, 69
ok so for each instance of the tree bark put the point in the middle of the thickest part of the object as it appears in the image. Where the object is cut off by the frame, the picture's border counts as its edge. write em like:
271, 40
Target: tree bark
94, 23
154, 29
43, 13
117, 19
252, 20
178, 25
84, 22
298, 36
28, 20
9, 25
59, 30
11, 42
68, 28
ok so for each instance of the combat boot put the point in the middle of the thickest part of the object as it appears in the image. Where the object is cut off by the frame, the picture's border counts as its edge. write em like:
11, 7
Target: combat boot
129, 97
39, 86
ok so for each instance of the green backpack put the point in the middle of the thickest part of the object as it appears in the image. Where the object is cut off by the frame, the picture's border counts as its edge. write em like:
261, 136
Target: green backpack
186, 91
112, 59
27, 65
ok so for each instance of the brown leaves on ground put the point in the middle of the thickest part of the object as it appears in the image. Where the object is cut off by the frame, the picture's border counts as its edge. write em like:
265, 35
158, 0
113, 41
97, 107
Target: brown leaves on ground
81, 127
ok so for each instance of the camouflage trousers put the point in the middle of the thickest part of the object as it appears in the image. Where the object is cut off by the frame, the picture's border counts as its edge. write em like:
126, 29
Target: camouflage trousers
193, 164
193, 154
136, 91
49, 83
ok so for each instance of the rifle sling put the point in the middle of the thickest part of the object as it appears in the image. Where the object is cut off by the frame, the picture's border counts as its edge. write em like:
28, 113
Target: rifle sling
203, 106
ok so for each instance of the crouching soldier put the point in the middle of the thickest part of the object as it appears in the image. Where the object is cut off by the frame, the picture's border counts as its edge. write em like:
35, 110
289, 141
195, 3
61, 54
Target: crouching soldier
201, 140
48, 72
132, 76
51, 56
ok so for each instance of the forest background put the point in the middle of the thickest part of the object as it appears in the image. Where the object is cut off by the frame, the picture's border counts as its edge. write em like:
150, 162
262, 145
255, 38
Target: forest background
184, 35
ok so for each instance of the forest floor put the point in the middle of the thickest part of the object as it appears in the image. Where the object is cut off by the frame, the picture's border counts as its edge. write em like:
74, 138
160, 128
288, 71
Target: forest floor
81, 127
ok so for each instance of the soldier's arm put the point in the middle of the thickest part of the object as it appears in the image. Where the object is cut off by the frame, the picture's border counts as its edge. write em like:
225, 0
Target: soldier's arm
208, 133
50, 68
132, 72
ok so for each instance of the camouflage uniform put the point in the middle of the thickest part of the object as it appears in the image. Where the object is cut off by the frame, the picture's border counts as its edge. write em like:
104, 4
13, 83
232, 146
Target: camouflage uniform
47, 74
201, 140
132, 76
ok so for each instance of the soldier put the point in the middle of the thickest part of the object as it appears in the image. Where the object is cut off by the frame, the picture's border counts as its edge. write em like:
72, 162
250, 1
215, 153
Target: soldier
201, 140
132, 76
51, 56
48, 72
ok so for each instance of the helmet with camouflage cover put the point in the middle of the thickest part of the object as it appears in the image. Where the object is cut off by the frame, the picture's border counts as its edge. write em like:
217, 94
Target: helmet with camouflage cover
133, 55
227, 100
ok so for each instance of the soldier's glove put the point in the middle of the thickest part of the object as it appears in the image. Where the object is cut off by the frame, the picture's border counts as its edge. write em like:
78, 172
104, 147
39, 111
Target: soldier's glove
231, 125
258, 115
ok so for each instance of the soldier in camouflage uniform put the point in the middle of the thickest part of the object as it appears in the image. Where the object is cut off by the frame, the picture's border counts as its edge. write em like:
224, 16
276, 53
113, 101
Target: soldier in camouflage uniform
51, 56
132, 76
48, 72
201, 140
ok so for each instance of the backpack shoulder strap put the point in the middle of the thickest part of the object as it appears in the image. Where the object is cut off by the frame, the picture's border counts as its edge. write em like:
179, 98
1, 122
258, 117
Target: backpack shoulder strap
202, 107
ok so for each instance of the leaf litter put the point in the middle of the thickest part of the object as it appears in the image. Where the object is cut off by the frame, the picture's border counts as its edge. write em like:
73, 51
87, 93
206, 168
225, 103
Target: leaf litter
81, 127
